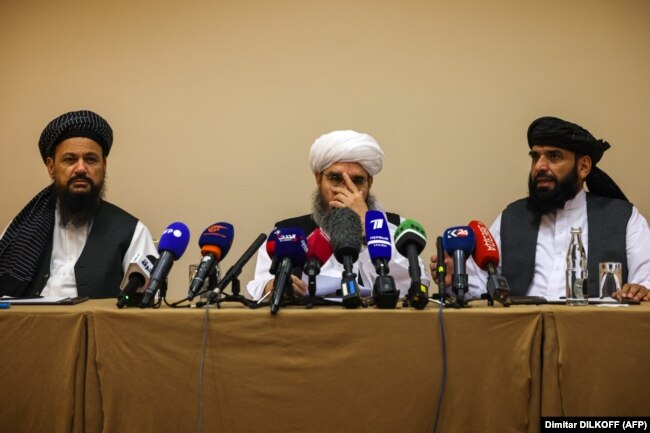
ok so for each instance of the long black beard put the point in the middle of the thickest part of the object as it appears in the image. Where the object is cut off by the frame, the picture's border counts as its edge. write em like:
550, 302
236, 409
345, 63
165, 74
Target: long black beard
544, 200
322, 213
78, 209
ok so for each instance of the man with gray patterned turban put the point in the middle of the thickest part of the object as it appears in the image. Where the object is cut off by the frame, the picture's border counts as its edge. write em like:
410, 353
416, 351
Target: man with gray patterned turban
533, 233
67, 241
344, 164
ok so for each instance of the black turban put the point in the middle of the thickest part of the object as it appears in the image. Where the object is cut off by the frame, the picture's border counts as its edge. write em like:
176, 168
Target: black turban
551, 131
82, 123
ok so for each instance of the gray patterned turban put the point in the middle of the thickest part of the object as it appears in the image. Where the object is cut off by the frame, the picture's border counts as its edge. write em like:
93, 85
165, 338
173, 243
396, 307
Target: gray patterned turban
82, 123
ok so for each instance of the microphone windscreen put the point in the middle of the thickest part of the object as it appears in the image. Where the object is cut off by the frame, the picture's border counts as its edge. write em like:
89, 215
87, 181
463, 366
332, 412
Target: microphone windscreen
486, 250
291, 243
217, 239
319, 246
175, 239
345, 233
410, 232
378, 236
459, 238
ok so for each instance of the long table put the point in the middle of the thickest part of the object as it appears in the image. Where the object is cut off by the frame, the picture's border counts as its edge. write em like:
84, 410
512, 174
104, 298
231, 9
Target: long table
95, 368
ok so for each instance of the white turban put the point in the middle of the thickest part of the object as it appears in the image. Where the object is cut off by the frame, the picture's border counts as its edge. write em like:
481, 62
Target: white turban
346, 146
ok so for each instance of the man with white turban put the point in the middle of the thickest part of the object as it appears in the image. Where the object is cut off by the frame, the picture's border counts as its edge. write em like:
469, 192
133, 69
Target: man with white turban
344, 164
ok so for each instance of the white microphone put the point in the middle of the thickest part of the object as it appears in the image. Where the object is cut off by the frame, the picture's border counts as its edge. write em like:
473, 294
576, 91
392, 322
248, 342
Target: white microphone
136, 277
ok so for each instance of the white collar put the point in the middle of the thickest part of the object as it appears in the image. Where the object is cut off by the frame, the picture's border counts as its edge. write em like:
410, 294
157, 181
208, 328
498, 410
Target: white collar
576, 202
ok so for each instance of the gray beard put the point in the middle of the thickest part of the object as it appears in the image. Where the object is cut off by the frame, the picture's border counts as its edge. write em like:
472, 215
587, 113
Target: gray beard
322, 213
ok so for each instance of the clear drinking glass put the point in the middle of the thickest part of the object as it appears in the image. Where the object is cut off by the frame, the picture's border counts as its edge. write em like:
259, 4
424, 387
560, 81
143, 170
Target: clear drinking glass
609, 278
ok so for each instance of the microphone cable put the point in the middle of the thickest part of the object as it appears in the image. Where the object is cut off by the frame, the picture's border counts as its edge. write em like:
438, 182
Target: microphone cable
441, 272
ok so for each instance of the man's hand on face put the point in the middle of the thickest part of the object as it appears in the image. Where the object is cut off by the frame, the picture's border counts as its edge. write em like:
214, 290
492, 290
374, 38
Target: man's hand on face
351, 197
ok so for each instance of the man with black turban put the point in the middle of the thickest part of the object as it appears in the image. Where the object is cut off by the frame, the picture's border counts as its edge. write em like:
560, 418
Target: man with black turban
344, 164
534, 233
67, 241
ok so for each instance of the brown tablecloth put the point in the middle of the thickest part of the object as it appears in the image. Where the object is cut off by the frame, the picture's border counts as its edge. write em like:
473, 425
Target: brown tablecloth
42, 369
596, 361
325, 369
95, 368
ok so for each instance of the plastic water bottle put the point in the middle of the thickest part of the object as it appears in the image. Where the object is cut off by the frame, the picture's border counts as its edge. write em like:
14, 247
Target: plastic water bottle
577, 290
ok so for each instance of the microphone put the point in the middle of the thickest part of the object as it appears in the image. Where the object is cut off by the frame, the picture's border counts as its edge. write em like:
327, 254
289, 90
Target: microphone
270, 250
380, 249
173, 243
410, 240
486, 256
136, 277
215, 242
459, 243
346, 236
236, 269
319, 250
290, 250
441, 270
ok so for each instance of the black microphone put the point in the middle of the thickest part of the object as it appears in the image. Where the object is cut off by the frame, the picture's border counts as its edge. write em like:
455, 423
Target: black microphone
136, 277
173, 243
346, 242
441, 270
236, 269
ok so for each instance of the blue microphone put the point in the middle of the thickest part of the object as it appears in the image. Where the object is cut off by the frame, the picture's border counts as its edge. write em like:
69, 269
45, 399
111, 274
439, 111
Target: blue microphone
459, 243
215, 242
171, 247
380, 249
290, 250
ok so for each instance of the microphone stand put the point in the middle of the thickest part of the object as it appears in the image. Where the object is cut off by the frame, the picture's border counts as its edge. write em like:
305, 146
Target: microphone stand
385, 295
349, 287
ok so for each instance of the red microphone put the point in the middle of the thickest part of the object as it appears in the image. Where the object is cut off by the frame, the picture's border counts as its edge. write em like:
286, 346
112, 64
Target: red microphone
319, 250
486, 256
486, 252
270, 250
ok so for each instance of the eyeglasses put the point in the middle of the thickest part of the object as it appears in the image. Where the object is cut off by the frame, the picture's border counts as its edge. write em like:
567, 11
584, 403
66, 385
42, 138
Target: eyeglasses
337, 180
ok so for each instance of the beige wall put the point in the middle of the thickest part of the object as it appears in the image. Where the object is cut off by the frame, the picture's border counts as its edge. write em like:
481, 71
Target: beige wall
214, 103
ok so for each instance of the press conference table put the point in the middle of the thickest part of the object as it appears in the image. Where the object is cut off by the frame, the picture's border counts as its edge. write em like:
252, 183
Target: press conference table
95, 368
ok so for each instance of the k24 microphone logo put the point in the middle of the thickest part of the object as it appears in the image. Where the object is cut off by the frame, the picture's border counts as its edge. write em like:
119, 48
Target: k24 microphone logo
377, 224
458, 233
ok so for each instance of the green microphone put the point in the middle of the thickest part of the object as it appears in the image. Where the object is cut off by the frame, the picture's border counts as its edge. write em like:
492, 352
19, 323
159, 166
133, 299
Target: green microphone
410, 240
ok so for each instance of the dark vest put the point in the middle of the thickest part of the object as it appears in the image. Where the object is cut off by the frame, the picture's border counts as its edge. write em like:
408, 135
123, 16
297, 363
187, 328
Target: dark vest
98, 271
607, 219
